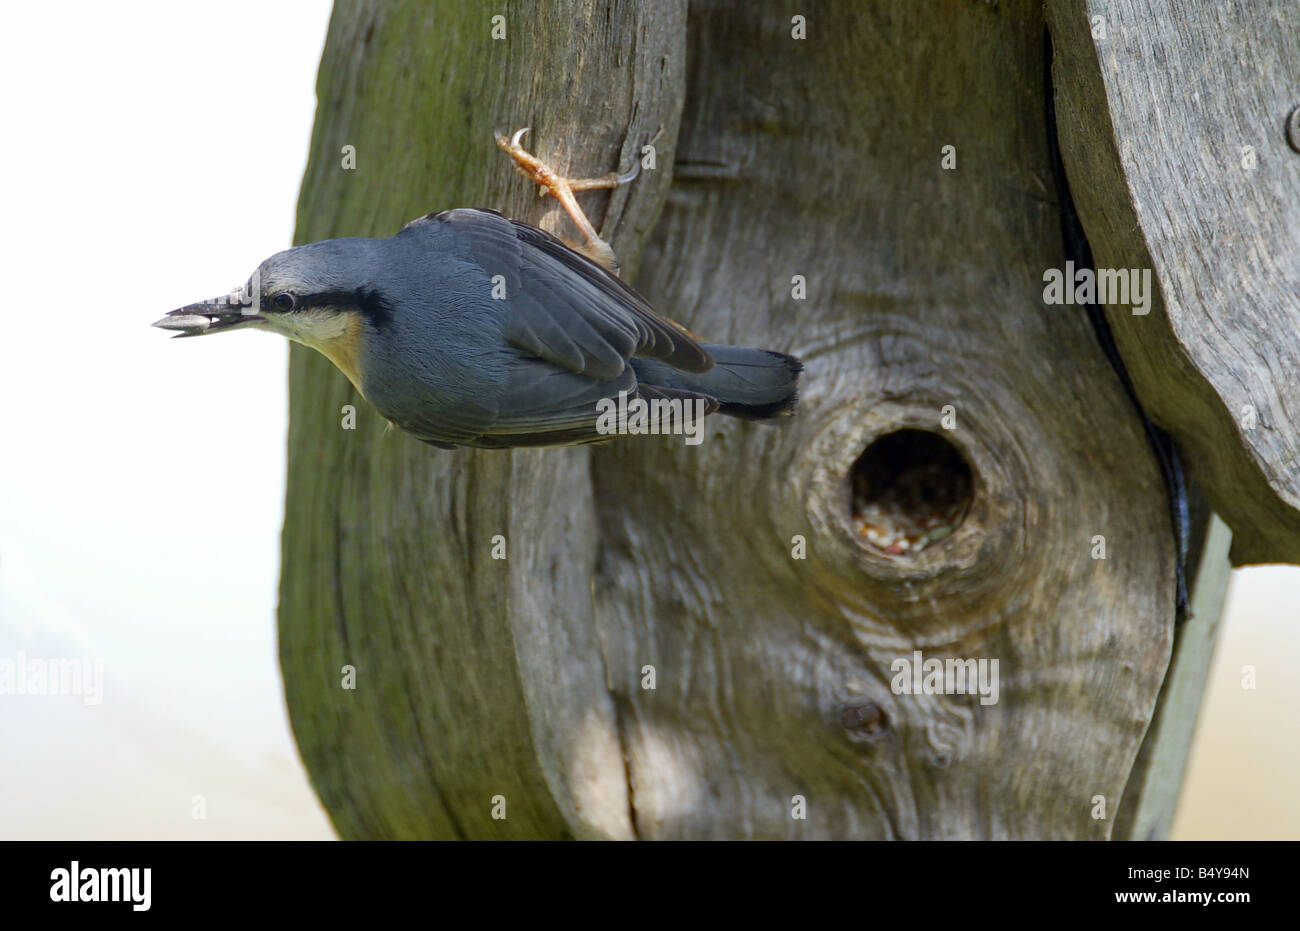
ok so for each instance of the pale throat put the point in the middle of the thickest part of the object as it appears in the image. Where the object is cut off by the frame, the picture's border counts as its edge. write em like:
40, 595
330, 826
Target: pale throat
335, 335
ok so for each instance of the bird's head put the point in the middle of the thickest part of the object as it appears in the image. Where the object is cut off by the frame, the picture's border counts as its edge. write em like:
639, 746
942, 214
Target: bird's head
320, 295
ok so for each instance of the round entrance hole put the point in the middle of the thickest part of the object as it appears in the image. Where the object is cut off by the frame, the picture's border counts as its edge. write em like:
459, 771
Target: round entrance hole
910, 489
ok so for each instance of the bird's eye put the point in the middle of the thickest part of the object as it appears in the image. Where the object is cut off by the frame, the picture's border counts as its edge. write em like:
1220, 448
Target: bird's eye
283, 302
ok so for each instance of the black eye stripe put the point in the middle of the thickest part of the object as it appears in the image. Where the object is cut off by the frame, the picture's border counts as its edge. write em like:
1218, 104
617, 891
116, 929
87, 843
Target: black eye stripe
370, 302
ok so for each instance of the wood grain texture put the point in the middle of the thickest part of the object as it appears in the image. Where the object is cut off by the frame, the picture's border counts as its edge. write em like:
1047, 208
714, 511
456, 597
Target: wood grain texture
1162, 105
822, 158
1151, 797
817, 157
476, 677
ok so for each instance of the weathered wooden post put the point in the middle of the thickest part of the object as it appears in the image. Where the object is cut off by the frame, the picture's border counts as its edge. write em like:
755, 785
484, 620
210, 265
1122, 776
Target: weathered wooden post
872, 189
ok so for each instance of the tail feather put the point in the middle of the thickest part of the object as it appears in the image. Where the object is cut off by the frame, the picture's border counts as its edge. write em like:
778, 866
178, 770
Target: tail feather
660, 392
755, 384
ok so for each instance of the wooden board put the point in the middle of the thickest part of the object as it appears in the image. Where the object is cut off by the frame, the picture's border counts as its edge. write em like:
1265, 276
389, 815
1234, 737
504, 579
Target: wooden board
1172, 120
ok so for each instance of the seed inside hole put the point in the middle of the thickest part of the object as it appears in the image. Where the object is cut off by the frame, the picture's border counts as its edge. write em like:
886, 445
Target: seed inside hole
911, 488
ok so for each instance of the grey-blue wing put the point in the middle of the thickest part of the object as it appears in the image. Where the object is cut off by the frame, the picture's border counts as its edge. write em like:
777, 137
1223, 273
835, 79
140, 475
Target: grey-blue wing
570, 328
561, 306
547, 406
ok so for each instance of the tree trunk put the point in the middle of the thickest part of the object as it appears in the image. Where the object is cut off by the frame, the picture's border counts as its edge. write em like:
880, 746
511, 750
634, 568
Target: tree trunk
755, 581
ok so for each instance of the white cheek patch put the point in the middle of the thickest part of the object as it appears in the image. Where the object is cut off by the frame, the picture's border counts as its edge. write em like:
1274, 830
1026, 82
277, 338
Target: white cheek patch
313, 328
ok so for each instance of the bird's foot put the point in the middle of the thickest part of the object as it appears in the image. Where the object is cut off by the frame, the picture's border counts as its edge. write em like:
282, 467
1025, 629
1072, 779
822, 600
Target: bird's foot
562, 189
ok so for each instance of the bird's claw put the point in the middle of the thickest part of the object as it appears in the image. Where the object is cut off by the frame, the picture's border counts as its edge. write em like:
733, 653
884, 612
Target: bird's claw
562, 189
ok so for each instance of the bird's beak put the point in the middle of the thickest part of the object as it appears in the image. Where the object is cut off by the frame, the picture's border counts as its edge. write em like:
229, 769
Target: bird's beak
214, 316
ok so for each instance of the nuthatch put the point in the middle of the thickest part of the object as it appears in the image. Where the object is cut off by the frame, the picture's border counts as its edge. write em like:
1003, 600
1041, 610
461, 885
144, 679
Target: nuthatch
467, 328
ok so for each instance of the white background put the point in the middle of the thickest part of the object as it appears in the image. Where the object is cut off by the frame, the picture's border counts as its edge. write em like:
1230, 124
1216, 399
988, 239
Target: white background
151, 156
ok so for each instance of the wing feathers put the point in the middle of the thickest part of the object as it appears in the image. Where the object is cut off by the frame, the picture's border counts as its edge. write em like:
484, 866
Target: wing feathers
575, 326
563, 307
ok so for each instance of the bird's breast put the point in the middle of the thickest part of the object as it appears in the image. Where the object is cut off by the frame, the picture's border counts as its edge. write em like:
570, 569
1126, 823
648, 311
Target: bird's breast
340, 342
